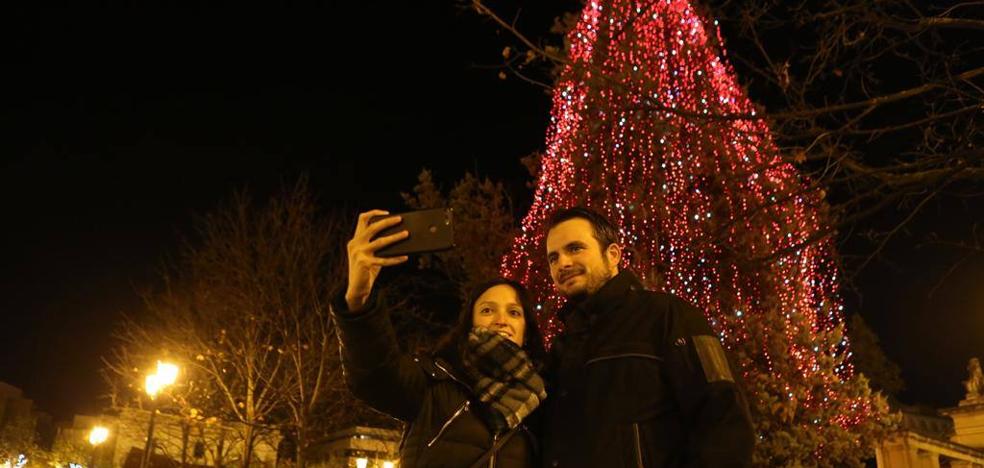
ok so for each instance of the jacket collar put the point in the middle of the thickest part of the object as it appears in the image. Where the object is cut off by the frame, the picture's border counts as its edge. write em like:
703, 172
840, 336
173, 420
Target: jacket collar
605, 299
447, 361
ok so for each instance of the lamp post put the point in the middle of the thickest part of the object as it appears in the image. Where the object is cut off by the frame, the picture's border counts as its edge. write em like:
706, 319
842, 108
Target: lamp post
97, 435
165, 376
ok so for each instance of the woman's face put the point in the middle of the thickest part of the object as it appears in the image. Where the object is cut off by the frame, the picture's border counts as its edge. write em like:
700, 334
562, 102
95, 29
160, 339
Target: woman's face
498, 309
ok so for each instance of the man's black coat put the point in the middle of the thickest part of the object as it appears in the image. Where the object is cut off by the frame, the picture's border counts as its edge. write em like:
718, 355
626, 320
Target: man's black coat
638, 378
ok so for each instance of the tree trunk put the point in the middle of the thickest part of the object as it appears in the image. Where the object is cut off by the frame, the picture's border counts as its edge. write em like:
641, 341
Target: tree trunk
299, 445
248, 445
220, 450
185, 430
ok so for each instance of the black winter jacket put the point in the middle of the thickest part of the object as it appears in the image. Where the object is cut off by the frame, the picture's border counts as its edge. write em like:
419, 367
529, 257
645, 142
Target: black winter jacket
447, 425
636, 381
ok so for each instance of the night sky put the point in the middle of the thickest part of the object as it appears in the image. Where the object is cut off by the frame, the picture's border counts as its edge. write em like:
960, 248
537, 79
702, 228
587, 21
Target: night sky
121, 125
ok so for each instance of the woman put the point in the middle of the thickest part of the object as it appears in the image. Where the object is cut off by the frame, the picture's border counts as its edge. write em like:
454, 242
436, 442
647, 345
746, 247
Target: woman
467, 404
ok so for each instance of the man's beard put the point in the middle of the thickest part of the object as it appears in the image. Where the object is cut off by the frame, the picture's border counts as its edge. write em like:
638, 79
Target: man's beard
597, 282
594, 282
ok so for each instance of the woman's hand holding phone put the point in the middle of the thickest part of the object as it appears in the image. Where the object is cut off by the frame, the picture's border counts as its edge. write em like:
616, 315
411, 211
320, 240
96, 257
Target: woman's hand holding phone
363, 264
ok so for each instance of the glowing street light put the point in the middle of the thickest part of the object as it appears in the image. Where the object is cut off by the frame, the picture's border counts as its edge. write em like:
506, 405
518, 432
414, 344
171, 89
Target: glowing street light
153, 385
166, 375
361, 462
98, 435
388, 464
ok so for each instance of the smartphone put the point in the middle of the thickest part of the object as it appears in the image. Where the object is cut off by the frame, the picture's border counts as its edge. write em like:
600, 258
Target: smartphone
430, 231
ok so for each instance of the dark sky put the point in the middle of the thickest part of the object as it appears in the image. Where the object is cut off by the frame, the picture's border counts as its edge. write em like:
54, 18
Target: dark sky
122, 124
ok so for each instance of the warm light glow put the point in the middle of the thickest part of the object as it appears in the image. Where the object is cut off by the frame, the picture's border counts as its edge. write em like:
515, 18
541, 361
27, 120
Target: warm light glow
98, 435
388, 464
361, 462
167, 373
153, 385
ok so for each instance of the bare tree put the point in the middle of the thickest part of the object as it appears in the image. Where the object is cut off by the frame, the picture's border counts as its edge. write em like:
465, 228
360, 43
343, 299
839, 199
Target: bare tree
245, 313
308, 262
878, 101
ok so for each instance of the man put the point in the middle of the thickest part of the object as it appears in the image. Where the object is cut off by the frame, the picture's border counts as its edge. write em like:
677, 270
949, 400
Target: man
638, 378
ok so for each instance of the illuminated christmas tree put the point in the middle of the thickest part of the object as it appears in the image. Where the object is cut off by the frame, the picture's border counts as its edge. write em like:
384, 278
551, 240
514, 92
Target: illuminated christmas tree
650, 126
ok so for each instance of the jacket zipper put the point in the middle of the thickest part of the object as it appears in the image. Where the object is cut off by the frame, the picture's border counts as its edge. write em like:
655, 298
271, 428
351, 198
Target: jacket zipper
638, 445
495, 438
461, 409
439, 366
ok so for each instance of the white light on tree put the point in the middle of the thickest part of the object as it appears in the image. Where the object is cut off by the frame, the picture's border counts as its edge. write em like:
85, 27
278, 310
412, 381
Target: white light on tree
361, 462
387, 464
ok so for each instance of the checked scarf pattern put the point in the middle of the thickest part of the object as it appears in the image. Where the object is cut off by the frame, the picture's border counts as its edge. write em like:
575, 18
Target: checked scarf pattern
502, 376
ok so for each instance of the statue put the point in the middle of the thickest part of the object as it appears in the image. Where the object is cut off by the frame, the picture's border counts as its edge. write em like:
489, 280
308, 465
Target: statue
975, 384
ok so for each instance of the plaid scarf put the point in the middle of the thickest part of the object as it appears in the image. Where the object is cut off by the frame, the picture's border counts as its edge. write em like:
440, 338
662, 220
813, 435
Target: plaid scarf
502, 376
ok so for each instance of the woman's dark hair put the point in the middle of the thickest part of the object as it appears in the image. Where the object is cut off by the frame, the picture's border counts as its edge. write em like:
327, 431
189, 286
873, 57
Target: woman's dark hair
533, 339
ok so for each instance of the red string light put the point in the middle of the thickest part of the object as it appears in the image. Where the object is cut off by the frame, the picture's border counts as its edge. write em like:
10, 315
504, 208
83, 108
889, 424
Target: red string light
650, 126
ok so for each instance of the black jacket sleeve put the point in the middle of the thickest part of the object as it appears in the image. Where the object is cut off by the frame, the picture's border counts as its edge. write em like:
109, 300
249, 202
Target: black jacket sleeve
713, 408
375, 369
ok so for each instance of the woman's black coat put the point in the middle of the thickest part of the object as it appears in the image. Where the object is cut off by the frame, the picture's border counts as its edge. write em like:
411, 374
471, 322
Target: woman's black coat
447, 427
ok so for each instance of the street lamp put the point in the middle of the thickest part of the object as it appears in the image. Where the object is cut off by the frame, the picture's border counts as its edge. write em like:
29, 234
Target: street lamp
97, 435
152, 384
166, 374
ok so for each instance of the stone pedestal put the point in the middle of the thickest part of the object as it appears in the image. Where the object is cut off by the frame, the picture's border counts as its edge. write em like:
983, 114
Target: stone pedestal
968, 423
911, 450
900, 452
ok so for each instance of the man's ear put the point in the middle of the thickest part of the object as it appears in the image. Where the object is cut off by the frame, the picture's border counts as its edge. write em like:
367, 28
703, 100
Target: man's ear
614, 255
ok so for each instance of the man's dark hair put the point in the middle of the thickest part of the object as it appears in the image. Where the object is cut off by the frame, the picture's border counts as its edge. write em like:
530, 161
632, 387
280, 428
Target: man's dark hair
604, 231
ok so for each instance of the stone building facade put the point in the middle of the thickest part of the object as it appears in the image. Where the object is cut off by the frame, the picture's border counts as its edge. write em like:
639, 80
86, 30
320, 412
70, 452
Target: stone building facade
21, 424
176, 441
357, 447
953, 437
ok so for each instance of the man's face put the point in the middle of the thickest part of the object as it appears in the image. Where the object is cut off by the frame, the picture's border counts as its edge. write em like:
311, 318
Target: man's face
579, 266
